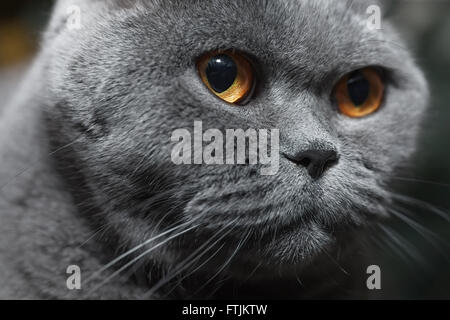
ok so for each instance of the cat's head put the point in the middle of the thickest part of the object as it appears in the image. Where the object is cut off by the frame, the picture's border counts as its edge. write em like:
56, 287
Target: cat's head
129, 77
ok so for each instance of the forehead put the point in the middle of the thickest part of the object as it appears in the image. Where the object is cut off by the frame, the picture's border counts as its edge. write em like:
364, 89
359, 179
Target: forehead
294, 35
281, 24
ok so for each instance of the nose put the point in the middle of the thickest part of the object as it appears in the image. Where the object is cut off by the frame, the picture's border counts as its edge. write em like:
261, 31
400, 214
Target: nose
315, 161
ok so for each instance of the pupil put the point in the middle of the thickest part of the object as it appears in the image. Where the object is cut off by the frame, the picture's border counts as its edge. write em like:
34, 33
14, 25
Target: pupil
221, 72
358, 88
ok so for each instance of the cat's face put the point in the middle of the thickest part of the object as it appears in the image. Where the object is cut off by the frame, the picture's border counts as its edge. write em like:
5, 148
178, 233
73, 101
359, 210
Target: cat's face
128, 78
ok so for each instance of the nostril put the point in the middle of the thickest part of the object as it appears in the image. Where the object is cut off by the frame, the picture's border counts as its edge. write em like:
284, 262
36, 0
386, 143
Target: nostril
315, 161
330, 162
304, 162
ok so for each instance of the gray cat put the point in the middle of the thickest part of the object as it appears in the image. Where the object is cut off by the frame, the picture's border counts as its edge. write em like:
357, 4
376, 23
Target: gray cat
86, 173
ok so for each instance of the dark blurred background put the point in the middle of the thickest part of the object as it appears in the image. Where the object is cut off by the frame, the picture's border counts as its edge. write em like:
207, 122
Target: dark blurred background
426, 27
21, 23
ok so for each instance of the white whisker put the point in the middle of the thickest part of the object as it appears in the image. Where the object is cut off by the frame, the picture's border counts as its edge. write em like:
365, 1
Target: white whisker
140, 256
187, 262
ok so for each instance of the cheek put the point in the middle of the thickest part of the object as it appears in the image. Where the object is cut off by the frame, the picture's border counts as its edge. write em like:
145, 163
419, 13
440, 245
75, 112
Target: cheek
380, 146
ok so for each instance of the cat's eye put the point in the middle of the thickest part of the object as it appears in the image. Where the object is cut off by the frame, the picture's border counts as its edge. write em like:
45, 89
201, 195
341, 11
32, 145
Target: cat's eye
360, 92
227, 74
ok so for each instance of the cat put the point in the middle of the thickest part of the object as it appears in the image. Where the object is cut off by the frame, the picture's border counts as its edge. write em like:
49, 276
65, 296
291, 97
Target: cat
86, 173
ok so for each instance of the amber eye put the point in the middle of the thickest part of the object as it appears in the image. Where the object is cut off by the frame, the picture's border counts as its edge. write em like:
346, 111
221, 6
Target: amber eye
360, 93
228, 75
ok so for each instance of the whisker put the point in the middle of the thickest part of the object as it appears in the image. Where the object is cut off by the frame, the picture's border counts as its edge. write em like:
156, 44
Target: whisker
169, 212
334, 261
435, 183
434, 239
134, 249
252, 272
423, 204
416, 226
395, 249
197, 268
190, 260
227, 262
402, 243
298, 280
139, 257
23, 171
103, 228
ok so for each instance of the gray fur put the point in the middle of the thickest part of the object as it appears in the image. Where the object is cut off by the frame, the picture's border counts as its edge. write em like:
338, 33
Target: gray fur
91, 127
